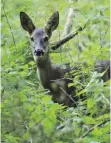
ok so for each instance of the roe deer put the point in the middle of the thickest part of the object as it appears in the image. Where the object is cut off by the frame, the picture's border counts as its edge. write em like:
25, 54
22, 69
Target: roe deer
51, 76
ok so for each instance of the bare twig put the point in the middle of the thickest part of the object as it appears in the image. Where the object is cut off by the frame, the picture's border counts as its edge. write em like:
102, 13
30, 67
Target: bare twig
91, 129
61, 79
100, 13
9, 24
57, 44
68, 95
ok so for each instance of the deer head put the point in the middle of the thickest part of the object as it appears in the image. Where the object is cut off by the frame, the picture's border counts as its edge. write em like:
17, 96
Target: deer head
39, 37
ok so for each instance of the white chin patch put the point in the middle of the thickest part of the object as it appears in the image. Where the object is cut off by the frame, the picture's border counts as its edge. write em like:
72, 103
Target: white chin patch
35, 58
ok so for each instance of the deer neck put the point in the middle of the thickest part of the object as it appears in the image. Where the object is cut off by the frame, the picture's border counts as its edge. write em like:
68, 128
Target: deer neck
45, 69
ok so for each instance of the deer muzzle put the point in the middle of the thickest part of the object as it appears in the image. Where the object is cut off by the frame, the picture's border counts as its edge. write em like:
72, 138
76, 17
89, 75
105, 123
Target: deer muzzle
39, 52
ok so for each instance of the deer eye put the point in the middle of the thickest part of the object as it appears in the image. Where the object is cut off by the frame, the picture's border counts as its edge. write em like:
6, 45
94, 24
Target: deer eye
46, 39
32, 39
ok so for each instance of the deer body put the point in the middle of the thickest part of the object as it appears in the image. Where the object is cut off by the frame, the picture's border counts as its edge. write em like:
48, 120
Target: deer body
52, 77
101, 66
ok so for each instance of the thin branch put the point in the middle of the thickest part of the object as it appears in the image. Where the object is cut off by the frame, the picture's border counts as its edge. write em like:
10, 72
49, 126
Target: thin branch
57, 44
91, 129
8, 24
62, 79
68, 96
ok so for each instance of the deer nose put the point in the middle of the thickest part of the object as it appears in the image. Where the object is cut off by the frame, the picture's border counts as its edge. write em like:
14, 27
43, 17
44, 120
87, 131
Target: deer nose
38, 52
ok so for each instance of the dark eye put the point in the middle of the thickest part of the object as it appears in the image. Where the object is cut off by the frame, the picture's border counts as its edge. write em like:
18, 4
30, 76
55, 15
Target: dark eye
32, 39
45, 38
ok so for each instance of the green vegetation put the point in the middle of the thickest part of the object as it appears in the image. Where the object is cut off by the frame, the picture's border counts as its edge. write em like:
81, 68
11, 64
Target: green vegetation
28, 114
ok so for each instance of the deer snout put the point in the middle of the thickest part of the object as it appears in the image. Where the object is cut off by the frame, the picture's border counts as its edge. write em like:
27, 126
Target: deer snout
39, 52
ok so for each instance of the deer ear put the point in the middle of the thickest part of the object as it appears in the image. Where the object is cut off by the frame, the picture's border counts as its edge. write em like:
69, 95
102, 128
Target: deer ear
52, 23
26, 22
